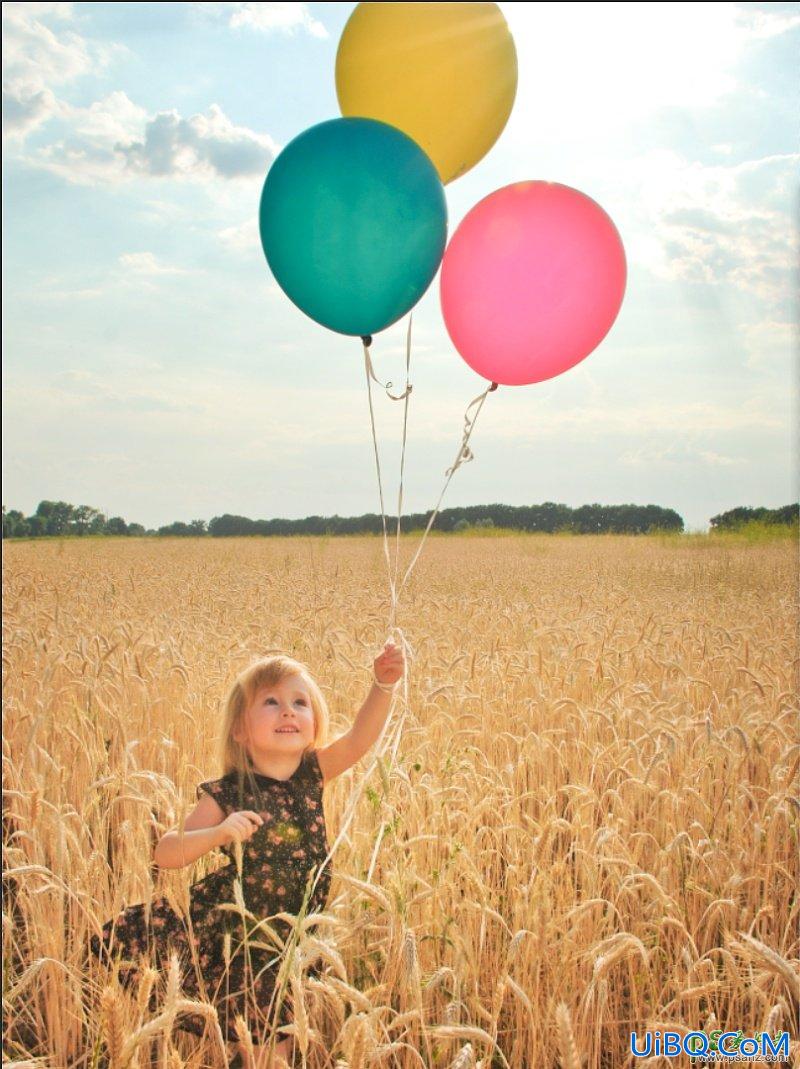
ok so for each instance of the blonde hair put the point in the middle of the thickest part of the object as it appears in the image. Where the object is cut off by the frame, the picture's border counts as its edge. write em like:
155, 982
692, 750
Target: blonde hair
266, 672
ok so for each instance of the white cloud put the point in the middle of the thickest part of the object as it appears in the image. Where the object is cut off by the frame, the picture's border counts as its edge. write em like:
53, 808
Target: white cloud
135, 271
511, 418
205, 145
715, 224
112, 119
268, 18
677, 455
222, 407
36, 58
242, 238
770, 345
84, 293
146, 263
114, 140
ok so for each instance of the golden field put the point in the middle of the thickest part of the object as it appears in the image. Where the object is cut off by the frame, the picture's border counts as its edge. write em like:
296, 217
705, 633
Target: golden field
590, 827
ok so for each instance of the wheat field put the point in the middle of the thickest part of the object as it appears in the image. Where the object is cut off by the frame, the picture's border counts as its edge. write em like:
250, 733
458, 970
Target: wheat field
590, 827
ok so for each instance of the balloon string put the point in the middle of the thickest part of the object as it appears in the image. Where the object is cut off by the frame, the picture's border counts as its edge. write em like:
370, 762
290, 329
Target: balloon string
463, 456
402, 470
390, 740
394, 737
367, 341
370, 374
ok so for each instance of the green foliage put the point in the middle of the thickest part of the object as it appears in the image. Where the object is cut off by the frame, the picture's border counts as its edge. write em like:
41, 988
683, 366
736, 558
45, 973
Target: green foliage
755, 532
477, 519
59, 518
737, 518
185, 530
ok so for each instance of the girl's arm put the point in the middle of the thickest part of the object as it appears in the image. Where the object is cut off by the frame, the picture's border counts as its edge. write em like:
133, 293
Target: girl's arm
370, 718
205, 828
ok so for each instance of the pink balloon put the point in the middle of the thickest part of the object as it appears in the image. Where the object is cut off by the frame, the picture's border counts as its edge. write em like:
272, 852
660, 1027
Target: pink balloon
531, 282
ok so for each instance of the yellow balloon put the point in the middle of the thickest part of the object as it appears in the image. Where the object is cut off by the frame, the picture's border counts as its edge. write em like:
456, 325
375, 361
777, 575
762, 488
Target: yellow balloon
445, 74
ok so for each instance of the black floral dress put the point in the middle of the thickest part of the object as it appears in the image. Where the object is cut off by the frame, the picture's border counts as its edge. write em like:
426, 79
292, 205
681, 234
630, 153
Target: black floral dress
279, 862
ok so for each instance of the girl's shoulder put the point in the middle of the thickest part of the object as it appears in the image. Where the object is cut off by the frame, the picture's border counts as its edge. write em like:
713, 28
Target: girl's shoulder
219, 789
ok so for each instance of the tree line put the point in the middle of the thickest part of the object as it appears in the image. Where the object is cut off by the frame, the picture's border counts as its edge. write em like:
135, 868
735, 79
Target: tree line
738, 517
548, 517
60, 518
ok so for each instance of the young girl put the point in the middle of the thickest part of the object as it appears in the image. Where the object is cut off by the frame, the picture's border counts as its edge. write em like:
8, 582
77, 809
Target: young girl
269, 800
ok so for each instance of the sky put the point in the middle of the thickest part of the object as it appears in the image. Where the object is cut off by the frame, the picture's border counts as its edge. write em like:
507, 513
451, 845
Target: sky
154, 369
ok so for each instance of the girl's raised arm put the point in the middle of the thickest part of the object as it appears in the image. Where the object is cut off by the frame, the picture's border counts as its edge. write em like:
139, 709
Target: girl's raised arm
343, 752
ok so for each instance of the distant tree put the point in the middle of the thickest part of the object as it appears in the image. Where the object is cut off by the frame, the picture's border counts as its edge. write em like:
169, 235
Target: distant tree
787, 514
13, 522
86, 520
743, 514
198, 527
181, 530
135, 530
117, 526
56, 515
228, 526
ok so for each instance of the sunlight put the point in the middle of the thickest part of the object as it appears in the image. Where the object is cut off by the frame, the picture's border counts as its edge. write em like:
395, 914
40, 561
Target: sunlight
596, 66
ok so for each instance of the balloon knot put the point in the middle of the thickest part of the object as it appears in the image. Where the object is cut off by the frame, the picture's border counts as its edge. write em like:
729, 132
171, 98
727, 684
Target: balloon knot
367, 340
493, 387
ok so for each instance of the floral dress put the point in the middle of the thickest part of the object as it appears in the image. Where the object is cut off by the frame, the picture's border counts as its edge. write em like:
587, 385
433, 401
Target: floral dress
278, 860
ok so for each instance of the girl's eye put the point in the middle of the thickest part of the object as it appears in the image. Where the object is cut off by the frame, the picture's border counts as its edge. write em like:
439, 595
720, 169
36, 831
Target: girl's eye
301, 700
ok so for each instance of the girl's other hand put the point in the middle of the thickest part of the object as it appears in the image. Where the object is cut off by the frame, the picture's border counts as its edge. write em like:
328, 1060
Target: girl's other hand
390, 664
240, 826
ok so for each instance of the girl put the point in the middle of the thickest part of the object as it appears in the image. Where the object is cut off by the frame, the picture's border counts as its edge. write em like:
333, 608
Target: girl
269, 800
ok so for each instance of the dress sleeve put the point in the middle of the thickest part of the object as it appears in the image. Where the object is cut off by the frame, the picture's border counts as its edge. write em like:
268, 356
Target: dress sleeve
219, 789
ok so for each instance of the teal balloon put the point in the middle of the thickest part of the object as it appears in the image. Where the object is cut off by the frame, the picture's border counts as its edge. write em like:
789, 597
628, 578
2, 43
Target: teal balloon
353, 223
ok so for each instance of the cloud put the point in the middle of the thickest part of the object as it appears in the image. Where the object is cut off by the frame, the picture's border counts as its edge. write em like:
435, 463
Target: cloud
78, 390
25, 108
114, 141
201, 146
36, 58
145, 263
136, 271
716, 224
677, 455
770, 344
243, 237
221, 407
268, 18
510, 418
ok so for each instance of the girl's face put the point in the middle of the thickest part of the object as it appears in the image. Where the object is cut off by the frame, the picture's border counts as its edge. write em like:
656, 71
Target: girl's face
279, 718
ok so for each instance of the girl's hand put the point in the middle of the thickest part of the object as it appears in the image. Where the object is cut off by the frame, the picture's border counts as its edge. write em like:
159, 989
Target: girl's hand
239, 826
389, 665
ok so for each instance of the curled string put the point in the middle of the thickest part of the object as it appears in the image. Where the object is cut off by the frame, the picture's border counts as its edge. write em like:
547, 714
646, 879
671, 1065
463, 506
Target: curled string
367, 341
463, 455
393, 611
